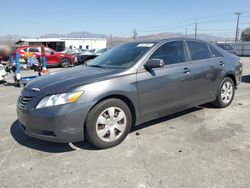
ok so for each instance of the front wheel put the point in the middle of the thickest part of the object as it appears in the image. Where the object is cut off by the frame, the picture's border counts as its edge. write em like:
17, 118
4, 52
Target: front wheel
108, 123
65, 63
225, 93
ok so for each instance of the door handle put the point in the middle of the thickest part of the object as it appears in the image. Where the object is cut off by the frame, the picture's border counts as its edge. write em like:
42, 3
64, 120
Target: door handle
186, 70
222, 63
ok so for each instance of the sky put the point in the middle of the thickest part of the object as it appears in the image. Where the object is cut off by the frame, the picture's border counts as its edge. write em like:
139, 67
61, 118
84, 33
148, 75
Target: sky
119, 17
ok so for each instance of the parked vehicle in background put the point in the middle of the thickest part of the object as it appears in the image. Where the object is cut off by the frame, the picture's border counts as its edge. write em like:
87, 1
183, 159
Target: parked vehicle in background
100, 51
128, 85
3, 73
89, 55
227, 47
74, 52
53, 58
83, 58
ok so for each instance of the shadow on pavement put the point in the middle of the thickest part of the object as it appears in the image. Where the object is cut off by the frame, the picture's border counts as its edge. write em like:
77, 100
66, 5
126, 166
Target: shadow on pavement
52, 147
42, 145
245, 79
169, 117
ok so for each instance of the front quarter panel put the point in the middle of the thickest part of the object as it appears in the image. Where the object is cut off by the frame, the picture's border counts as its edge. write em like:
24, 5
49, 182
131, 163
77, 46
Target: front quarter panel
125, 85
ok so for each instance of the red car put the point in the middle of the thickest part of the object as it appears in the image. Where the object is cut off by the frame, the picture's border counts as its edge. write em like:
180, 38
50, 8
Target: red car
53, 58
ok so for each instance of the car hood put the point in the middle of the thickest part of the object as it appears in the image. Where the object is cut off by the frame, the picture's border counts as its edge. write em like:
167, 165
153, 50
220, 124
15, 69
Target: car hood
62, 81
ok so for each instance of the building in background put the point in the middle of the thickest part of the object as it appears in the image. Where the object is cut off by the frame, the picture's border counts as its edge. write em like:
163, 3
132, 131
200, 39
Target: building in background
61, 44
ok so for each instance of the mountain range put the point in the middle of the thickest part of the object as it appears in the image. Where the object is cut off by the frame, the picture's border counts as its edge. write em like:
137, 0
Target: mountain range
114, 40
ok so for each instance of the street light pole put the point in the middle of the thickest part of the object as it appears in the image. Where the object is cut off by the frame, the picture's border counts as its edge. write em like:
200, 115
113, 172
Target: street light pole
237, 25
195, 32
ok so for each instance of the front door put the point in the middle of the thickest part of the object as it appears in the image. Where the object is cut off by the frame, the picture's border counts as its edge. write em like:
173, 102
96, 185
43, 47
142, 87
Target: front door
51, 58
168, 88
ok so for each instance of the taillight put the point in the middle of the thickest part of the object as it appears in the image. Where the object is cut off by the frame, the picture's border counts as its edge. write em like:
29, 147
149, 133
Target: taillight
241, 63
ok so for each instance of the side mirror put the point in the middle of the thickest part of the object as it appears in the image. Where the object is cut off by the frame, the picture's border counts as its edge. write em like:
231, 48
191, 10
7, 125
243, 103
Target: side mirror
51, 52
154, 63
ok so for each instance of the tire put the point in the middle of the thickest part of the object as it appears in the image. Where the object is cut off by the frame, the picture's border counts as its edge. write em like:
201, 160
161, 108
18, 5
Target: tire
225, 94
102, 129
65, 63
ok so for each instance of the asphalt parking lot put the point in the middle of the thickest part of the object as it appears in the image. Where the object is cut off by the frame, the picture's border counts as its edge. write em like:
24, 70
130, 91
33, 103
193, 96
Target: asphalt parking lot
200, 147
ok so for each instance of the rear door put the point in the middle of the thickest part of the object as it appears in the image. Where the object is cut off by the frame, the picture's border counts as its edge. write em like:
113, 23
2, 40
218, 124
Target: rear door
203, 69
218, 63
162, 90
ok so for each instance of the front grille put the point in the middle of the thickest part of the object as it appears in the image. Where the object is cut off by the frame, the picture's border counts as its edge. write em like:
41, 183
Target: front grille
23, 101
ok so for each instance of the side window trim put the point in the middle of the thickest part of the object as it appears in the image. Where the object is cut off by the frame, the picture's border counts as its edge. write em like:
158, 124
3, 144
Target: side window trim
187, 51
209, 46
157, 47
184, 51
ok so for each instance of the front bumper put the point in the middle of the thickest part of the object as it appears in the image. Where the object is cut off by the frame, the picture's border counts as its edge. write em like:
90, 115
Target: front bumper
64, 123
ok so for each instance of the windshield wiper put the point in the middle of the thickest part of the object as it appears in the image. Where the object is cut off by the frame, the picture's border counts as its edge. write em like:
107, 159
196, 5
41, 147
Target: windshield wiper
99, 66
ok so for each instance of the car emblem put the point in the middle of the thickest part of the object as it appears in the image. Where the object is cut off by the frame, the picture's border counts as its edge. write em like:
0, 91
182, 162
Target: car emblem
35, 89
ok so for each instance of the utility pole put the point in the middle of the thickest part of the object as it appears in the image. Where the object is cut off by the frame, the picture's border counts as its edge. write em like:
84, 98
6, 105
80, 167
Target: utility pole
111, 40
237, 25
134, 34
186, 30
195, 30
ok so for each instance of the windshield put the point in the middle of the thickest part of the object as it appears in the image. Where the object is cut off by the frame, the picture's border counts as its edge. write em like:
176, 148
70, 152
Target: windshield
101, 50
122, 56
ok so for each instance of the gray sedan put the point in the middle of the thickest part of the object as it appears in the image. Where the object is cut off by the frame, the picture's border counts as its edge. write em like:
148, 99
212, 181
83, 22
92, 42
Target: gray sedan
128, 85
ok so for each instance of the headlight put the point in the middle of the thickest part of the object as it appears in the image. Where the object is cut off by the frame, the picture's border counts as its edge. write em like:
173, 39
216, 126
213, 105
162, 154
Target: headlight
59, 99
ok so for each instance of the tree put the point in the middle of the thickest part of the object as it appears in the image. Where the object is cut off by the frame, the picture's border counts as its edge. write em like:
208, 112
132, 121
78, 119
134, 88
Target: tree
245, 35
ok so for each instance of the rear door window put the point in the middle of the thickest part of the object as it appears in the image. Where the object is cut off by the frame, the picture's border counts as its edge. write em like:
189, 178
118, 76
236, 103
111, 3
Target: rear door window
214, 52
171, 53
198, 50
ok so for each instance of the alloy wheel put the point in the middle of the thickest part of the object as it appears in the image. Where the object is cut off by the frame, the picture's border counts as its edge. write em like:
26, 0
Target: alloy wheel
227, 92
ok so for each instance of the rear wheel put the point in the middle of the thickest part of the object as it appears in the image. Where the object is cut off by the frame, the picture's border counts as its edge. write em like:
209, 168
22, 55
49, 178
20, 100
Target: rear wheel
225, 93
108, 123
65, 63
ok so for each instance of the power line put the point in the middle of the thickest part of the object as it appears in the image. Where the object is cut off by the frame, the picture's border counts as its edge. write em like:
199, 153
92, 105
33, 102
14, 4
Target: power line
169, 28
214, 29
188, 22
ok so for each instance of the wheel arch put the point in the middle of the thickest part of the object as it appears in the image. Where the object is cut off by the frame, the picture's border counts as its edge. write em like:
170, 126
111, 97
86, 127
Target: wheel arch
126, 100
232, 76
61, 58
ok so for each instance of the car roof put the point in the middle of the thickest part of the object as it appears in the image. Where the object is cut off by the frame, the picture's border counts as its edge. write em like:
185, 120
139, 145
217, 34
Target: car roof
165, 40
